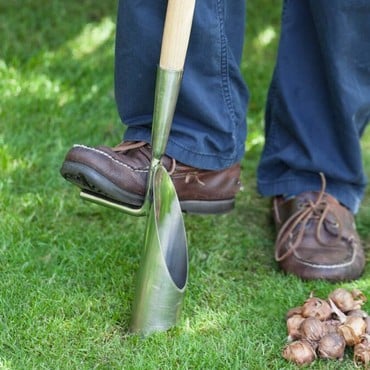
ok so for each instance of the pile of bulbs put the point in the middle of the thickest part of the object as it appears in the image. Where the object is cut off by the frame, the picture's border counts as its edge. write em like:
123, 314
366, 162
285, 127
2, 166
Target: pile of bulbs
324, 328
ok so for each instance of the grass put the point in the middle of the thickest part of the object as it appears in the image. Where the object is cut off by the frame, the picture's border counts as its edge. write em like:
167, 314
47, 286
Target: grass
68, 267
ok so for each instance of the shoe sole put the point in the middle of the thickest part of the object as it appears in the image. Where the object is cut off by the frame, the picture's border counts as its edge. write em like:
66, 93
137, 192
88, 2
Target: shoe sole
87, 179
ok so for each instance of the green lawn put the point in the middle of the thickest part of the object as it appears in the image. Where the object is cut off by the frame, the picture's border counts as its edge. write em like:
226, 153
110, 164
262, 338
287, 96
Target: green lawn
68, 267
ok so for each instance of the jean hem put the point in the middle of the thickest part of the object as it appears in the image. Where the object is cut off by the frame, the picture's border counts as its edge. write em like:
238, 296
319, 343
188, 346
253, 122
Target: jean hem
344, 193
206, 161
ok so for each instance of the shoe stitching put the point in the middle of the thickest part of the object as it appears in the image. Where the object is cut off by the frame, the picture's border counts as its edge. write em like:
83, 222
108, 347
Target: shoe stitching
333, 266
145, 170
330, 266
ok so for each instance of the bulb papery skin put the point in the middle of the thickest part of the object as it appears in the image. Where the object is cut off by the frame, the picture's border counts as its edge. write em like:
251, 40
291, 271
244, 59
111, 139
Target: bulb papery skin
293, 327
347, 301
361, 351
331, 326
352, 330
316, 307
343, 299
367, 321
324, 328
331, 346
299, 352
312, 329
358, 313
294, 312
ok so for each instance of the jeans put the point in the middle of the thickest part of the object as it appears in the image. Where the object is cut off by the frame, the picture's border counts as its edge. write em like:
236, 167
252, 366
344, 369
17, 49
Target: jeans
318, 103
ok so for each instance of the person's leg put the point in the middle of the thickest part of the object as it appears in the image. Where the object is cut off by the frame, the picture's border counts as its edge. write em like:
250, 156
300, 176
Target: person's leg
209, 127
319, 87
208, 134
317, 110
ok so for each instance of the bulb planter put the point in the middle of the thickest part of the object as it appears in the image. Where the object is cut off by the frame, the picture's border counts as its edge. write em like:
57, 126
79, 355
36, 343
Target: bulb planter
163, 272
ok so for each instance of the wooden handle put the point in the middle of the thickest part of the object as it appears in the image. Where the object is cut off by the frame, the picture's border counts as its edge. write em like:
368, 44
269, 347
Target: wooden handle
177, 27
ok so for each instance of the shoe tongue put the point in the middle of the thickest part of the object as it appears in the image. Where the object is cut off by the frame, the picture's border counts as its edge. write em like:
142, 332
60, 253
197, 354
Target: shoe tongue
288, 196
140, 153
314, 195
308, 196
305, 196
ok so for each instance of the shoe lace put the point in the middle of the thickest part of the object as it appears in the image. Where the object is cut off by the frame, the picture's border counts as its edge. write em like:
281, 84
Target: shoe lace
125, 146
173, 166
307, 212
193, 176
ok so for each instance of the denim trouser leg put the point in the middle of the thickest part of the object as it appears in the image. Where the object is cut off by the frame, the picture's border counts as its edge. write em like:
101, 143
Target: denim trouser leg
209, 127
318, 101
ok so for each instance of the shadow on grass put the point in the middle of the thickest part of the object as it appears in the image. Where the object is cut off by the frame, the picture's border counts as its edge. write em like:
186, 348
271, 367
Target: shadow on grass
55, 65
30, 26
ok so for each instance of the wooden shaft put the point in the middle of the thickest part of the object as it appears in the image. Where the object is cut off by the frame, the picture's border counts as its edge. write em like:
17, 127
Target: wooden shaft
176, 34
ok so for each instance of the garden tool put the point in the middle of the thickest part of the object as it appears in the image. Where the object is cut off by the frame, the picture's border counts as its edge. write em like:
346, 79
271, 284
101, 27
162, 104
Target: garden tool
163, 270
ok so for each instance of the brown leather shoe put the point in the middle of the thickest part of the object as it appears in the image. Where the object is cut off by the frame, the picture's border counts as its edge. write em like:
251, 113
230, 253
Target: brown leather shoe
317, 238
120, 174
